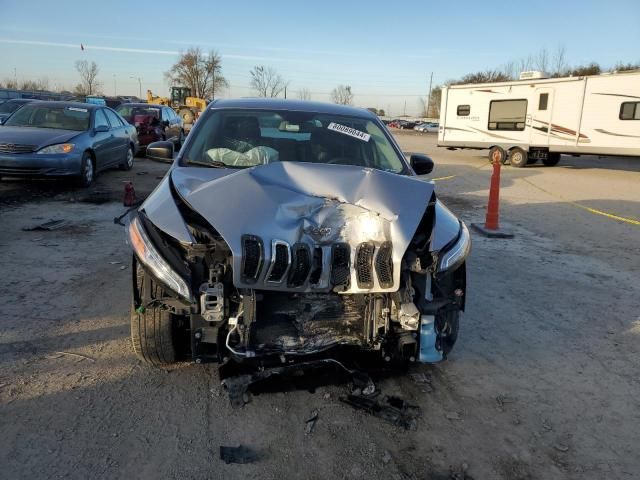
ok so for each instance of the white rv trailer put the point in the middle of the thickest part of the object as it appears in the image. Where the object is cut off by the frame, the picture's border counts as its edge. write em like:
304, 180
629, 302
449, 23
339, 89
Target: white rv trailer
540, 118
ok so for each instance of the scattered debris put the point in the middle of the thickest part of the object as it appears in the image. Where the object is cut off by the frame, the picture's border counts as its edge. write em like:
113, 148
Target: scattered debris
454, 416
561, 448
48, 226
144, 172
123, 267
502, 400
392, 409
362, 384
114, 263
311, 422
460, 473
129, 195
327, 396
239, 454
546, 426
84, 357
386, 457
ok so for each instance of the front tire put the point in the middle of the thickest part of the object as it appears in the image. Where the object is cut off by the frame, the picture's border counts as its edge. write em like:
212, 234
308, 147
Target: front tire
87, 171
152, 329
128, 161
518, 157
186, 115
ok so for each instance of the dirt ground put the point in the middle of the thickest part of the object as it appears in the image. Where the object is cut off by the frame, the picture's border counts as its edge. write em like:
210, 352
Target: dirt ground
542, 384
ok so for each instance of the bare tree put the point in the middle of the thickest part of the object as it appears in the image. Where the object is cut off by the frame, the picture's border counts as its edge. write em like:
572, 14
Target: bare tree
483, 77
434, 105
582, 70
304, 94
525, 64
201, 72
559, 61
9, 83
89, 83
342, 95
542, 60
626, 67
266, 81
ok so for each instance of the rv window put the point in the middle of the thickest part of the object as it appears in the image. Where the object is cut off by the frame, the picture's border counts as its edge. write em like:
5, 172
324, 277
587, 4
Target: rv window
544, 100
464, 110
507, 114
630, 111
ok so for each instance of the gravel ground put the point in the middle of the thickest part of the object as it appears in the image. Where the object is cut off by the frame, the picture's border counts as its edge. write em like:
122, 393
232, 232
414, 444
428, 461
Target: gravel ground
542, 383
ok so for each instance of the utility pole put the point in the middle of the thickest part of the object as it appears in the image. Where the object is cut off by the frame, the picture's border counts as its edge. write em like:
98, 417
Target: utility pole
404, 114
139, 86
15, 77
115, 86
285, 91
429, 97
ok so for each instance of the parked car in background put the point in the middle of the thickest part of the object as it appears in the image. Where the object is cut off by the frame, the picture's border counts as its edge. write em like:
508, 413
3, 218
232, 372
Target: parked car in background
428, 127
10, 106
65, 139
153, 123
402, 124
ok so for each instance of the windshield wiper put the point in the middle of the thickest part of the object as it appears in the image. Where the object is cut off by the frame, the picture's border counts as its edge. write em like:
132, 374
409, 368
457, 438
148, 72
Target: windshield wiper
212, 164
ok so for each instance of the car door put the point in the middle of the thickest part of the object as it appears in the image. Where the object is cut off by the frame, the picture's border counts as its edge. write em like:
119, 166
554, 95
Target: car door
121, 140
102, 143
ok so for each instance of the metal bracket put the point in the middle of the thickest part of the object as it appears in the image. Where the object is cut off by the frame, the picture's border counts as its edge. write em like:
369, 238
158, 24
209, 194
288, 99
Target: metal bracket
212, 302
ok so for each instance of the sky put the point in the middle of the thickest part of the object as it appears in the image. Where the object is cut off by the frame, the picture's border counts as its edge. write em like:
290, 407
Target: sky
385, 50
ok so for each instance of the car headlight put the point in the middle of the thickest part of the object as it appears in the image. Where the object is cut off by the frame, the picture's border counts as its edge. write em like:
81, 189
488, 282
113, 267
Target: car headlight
151, 258
59, 148
454, 256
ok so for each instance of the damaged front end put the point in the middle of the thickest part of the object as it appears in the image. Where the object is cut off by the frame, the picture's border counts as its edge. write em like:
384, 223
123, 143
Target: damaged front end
323, 263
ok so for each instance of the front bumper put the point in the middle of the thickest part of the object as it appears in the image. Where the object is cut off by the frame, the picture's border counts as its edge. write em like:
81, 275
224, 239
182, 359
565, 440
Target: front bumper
39, 165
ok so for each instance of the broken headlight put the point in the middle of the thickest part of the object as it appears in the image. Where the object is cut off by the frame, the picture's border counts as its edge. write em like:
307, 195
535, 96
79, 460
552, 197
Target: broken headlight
452, 257
151, 258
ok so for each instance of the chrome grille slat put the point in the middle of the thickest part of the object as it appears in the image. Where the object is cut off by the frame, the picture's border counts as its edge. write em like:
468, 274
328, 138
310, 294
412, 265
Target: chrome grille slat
300, 266
252, 258
364, 264
384, 265
280, 261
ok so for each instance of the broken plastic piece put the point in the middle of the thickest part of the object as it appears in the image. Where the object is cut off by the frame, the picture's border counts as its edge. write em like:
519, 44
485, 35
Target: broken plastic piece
393, 409
50, 225
311, 422
428, 336
239, 454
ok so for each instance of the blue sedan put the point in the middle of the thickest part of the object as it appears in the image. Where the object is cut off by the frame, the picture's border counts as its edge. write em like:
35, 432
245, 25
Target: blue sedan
65, 139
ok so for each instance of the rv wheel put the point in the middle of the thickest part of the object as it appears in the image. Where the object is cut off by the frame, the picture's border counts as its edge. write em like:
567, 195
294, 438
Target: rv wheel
552, 159
497, 154
518, 157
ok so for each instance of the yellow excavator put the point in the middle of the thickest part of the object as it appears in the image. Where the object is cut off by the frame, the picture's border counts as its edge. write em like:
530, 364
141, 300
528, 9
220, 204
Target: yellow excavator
186, 106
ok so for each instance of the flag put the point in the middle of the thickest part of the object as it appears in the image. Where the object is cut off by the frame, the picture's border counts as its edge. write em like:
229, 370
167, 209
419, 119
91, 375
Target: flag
81, 47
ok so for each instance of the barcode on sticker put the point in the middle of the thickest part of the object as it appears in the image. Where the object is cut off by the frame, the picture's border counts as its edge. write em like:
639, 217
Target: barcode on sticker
352, 132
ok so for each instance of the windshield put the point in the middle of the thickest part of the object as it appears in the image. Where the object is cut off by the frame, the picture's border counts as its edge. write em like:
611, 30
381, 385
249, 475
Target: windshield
129, 112
246, 138
59, 117
10, 107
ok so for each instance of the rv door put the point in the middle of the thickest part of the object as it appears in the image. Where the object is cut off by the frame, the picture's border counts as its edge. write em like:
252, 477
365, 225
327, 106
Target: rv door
541, 117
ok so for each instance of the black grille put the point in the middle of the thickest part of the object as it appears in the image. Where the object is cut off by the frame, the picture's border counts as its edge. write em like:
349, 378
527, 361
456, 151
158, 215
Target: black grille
280, 263
300, 265
364, 264
340, 265
251, 258
316, 270
15, 148
384, 265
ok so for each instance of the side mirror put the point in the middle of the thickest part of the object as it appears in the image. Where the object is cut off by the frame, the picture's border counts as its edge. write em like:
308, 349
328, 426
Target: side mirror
101, 129
160, 151
421, 164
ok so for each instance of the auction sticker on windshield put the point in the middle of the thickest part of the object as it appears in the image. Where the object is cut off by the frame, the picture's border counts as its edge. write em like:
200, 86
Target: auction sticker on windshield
352, 132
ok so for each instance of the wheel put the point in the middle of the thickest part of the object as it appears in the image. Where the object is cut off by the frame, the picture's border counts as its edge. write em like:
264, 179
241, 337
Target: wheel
87, 170
180, 140
497, 154
186, 115
128, 162
152, 329
552, 159
447, 326
518, 157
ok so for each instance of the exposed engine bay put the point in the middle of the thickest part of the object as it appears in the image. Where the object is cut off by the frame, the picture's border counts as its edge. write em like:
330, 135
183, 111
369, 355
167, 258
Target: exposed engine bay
298, 272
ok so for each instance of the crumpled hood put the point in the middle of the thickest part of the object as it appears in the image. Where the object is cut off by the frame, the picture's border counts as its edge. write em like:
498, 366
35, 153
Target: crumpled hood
40, 137
316, 204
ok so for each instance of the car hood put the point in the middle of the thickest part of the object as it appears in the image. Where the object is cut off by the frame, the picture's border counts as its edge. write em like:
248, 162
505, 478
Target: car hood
39, 137
314, 204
